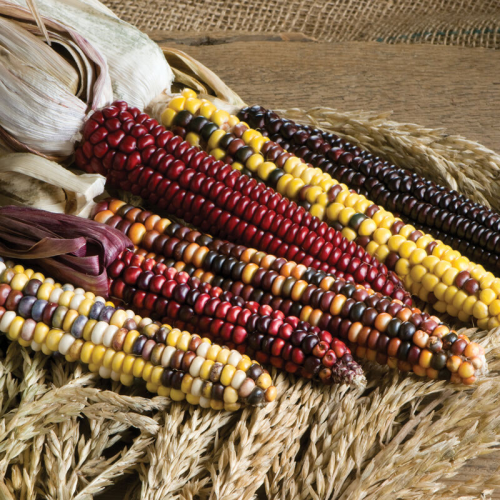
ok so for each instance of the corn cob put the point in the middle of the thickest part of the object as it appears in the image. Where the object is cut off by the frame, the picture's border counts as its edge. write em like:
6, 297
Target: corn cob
170, 361
437, 209
189, 192
364, 341
174, 296
182, 242
429, 269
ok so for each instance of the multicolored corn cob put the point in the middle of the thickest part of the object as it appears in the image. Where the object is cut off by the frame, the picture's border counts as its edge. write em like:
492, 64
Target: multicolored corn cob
437, 209
430, 269
406, 340
121, 345
196, 187
173, 296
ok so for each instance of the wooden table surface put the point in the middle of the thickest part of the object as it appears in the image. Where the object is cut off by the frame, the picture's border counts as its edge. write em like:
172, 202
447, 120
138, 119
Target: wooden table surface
454, 88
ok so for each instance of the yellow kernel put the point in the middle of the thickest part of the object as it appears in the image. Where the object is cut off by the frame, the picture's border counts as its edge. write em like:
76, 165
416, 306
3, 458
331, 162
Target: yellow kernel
205, 369
86, 353
177, 103
387, 222
230, 395
395, 242
173, 337
449, 276
293, 188
361, 205
478, 272
402, 267
312, 194
250, 134
351, 200
128, 364
227, 374
407, 230
459, 299
441, 267
207, 109
177, 395
463, 316
333, 210
192, 105
493, 323
450, 294
417, 273
367, 228
430, 262
237, 165
291, 163
440, 306
19, 282
186, 384
462, 263
264, 170
327, 184
381, 235
440, 290
371, 248
257, 142
306, 174
147, 372
469, 304
254, 161
214, 139
487, 296
423, 241
349, 233
345, 215
220, 117
382, 252
65, 298
429, 282
15, 328
495, 286
480, 310
167, 117
217, 153
188, 93
282, 185
193, 139
406, 249
318, 210
379, 216
494, 307
417, 256
486, 281
98, 354
41, 331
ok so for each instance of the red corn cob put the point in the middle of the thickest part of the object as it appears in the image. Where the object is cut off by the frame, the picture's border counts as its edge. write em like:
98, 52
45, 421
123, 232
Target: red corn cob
279, 226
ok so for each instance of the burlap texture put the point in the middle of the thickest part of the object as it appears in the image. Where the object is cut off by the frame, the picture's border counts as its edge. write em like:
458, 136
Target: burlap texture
472, 23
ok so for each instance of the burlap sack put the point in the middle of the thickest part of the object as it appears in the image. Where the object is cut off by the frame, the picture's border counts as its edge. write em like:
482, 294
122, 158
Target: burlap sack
472, 23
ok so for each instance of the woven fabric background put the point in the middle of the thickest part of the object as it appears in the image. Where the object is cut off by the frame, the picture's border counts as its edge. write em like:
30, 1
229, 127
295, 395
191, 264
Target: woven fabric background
473, 23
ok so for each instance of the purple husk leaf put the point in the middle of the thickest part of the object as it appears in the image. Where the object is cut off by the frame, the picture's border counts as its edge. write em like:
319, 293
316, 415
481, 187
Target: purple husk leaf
70, 248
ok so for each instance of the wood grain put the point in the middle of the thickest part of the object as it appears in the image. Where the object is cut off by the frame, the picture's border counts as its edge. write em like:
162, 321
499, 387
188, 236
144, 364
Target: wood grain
455, 88
450, 87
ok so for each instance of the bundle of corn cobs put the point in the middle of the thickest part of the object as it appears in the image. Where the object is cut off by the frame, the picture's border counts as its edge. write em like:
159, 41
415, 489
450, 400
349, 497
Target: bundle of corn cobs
261, 239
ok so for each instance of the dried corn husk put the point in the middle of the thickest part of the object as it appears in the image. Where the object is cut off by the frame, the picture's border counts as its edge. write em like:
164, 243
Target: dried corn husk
32, 181
138, 69
40, 110
191, 73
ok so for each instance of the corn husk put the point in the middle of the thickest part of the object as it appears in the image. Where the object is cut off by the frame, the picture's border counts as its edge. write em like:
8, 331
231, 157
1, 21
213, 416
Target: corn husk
137, 67
191, 73
32, 181
43, 103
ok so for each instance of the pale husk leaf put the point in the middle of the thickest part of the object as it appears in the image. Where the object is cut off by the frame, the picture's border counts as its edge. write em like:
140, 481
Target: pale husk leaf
187, 66
39, 112
32, 50
138, 70
32, 181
